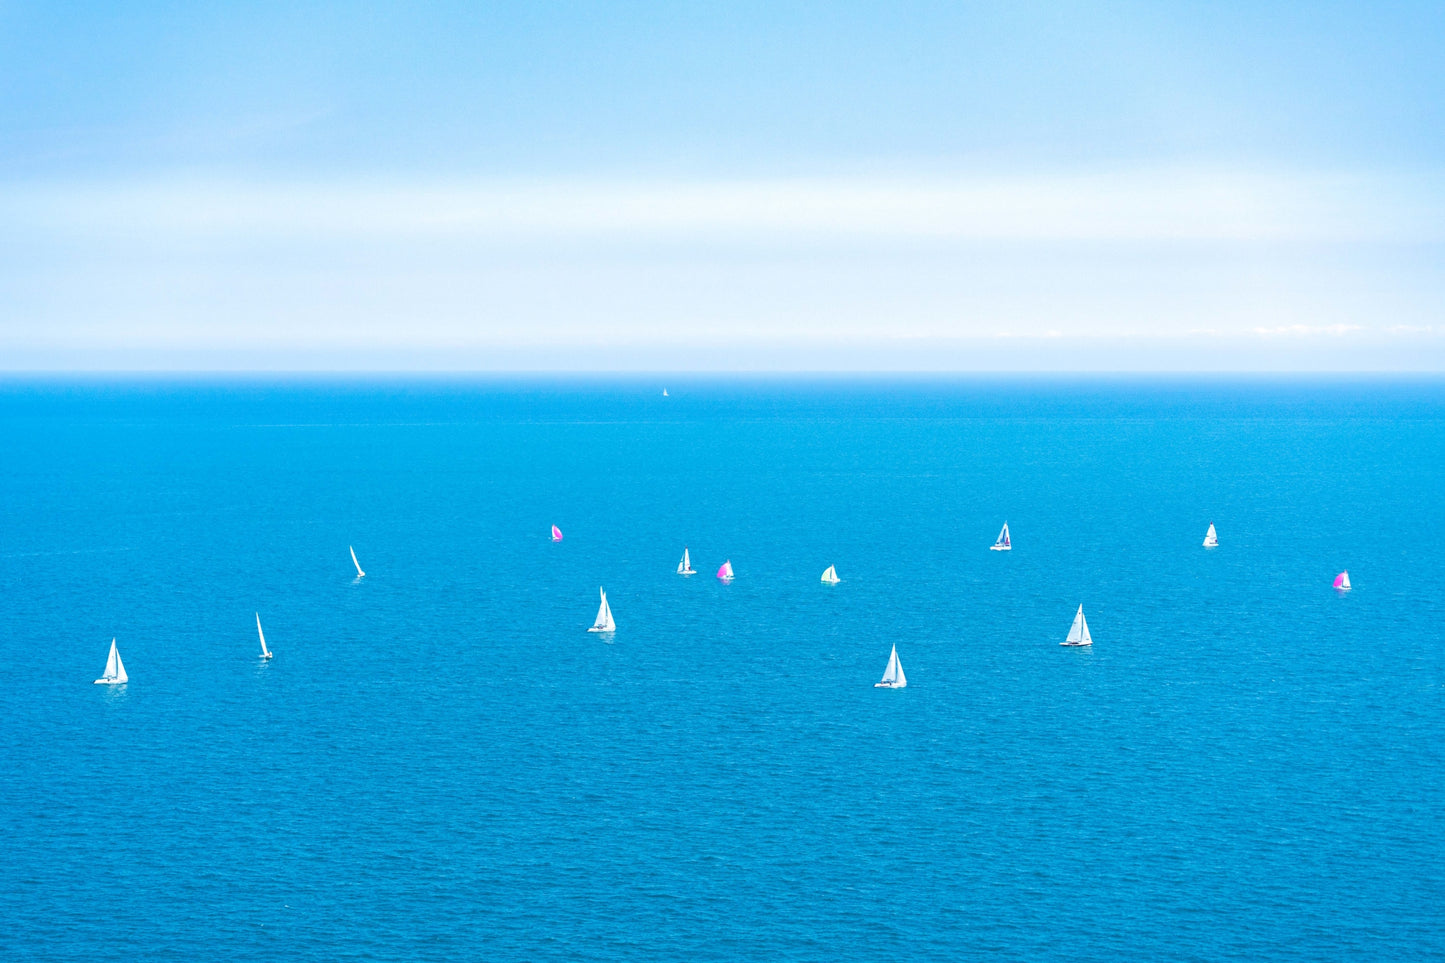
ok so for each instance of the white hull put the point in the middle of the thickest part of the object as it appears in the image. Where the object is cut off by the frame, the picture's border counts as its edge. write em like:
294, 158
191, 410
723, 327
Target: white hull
1000, 548
1077, 643
109, 682
268, 655
596, 629
888, 685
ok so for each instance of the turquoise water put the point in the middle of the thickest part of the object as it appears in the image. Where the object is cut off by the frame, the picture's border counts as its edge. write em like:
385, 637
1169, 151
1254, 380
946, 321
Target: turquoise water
441, 763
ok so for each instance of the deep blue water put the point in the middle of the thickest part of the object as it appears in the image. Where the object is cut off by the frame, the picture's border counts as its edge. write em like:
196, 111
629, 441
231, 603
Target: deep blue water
440, 763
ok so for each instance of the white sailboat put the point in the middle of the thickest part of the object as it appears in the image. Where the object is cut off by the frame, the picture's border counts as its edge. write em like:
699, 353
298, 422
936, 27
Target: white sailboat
1079, 632
893, 677
604, 617
1211, 539
1003, 544
830, 575
685, 566
359, 572
265, 652
664, 392
114, 668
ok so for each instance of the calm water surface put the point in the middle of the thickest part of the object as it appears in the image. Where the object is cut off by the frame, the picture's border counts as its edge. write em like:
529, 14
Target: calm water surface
441, 763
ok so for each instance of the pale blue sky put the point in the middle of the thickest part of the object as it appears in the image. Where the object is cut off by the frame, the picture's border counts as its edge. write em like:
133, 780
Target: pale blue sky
1010, 186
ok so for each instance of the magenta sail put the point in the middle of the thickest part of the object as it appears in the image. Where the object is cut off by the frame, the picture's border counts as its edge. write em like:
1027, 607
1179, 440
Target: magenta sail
556, 534
726, 572
1342, 581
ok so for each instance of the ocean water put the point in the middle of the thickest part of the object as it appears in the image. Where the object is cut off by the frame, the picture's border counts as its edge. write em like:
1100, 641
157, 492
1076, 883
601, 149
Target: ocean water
441, 763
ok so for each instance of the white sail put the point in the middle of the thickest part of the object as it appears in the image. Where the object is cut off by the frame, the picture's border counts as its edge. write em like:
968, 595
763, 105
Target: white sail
359, 572
1211, 540
1079, 631
685, 566
604, 621
1003, 544
893, 677
114, 668
265, 652
830, 575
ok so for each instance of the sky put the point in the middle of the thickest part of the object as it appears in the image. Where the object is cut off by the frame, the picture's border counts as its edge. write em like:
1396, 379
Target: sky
723, 186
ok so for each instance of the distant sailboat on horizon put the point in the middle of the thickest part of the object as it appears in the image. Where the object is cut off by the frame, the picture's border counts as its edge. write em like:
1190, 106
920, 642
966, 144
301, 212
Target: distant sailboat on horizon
830, 575
1342, 581
685, 566
265, 652
1003, 544
1079, 631
1211, 539
726, 572
893, 677
556, 534
359, 572
664, 392
114, 668
604, 621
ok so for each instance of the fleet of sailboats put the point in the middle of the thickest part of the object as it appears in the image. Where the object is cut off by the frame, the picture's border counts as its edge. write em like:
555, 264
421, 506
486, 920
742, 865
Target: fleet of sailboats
893, 677
265, 652
1079, 631
604, 621
114, 668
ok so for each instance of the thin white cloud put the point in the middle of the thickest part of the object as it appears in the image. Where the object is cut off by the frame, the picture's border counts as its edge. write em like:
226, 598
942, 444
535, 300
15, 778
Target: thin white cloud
1308, 330
1123, 206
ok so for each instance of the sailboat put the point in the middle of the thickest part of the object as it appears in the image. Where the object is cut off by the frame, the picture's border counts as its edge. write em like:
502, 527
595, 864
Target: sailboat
830, 575
1079, 632
265, 652
1003, 544
604, 621
664, 392
556, 534
1342, 581
359, 572
893, 677
114, 668
685, 566
1211, 540
726, 572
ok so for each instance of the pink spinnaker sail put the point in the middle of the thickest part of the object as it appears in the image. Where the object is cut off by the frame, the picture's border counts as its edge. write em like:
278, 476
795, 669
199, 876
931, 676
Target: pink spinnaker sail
1342, 580
556, 534
726, 572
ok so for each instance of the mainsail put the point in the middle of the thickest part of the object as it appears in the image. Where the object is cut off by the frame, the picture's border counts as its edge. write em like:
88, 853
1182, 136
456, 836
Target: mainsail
359, 572
604, 616
1079, 632
265, 652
